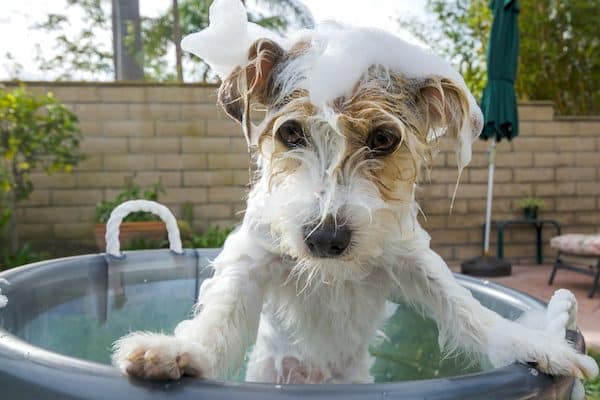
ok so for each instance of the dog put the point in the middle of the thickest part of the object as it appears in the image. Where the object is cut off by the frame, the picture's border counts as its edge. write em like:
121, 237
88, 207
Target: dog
330, 232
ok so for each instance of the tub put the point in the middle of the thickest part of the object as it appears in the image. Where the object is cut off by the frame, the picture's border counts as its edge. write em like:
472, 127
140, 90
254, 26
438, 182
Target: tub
62, 316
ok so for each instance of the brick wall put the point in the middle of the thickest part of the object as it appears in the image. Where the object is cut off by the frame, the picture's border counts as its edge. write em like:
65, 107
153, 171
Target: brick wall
553, 158
177, 134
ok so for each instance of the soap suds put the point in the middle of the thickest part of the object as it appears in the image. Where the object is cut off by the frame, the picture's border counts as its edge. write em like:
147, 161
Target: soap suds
339, 56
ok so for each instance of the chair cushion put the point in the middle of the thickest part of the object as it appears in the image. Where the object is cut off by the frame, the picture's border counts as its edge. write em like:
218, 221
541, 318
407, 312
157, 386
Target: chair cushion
578, 244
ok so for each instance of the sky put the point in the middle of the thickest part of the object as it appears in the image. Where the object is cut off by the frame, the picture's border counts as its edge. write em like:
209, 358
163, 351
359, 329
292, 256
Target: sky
18, 39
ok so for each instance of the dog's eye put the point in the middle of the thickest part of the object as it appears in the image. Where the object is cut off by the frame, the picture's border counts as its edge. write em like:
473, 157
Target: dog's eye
292, 134
382, 141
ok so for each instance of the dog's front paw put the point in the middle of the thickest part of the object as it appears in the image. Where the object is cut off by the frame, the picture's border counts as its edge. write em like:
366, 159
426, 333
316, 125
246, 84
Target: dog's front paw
156, 356
561, 313
561, 359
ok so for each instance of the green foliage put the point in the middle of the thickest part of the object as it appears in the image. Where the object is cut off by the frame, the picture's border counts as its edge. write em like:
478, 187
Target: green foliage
531, 202
131, 191
212, 237
458, 30
81, 54
157, 33
141, 243
592, 387
559, 58
22, 256
5, 215
78, 53
35, 132
560, 54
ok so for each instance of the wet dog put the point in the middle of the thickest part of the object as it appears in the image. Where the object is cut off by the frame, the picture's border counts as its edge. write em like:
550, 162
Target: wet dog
331, 232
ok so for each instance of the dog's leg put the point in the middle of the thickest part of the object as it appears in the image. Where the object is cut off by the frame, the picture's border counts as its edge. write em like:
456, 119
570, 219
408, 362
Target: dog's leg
214, 342
465, 325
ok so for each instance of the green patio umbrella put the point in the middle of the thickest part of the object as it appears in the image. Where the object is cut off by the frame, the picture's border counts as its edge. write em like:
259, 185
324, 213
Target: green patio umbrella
499, 106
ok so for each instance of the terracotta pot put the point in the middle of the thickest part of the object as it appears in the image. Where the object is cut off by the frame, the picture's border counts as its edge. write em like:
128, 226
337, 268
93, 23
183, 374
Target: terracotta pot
152, 231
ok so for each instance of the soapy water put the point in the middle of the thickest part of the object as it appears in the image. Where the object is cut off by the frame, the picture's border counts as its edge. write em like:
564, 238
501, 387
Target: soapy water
407, 350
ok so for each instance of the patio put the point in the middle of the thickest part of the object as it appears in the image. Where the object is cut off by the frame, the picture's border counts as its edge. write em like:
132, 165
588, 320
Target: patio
533, 279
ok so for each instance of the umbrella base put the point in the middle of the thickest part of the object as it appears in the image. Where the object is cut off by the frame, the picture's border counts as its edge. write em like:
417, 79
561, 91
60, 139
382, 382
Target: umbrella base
486, 266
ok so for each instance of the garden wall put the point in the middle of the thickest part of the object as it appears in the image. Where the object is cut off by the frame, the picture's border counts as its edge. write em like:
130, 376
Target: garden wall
177, 134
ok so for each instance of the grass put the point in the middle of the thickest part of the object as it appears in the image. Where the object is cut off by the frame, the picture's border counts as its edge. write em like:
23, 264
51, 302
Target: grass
592, 387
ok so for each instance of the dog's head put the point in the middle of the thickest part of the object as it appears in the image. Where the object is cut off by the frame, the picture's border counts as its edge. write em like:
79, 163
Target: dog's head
336, 175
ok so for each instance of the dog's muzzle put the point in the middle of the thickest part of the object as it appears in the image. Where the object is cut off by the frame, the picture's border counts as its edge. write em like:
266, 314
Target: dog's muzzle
327, 239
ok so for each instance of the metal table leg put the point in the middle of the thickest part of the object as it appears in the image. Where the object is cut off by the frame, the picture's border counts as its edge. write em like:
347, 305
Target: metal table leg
540, 255
500, 230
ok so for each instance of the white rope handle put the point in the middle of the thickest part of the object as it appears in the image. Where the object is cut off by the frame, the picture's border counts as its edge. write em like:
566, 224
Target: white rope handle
113, 246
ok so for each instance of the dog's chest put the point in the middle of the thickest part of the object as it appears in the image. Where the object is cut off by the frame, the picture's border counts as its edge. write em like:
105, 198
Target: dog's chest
328, 321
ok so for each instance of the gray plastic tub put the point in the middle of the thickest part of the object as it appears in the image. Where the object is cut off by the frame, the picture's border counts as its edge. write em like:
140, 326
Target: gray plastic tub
62, 315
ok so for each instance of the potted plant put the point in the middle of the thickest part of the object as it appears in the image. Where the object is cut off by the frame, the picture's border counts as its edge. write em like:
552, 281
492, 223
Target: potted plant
530, 206
136, 227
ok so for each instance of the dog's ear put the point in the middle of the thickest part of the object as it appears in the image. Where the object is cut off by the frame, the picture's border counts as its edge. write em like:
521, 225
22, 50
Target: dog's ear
445, 109
443, 105
251, 83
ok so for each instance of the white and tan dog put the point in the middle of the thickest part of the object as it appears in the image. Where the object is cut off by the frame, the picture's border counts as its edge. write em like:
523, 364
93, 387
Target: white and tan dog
330, 231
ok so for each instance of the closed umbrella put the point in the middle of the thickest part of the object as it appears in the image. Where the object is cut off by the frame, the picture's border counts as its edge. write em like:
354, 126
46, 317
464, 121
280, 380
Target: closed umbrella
499, 106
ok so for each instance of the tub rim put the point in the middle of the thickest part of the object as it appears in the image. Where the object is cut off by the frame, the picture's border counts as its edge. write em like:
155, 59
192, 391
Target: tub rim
16, 350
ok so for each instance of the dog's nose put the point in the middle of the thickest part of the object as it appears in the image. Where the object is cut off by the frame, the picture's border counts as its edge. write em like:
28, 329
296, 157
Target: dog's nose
327, 239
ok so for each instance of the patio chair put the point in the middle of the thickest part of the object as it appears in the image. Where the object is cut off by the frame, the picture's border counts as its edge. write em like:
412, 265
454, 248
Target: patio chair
579, 253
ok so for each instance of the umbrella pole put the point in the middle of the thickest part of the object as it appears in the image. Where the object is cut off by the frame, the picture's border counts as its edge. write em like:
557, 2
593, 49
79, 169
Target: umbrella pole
490, 195
485, 265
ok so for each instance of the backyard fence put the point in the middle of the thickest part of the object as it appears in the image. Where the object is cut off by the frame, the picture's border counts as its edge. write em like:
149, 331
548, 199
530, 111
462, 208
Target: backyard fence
177, 134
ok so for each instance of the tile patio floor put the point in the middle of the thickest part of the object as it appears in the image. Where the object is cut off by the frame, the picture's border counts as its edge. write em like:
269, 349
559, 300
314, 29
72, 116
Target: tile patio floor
533, 279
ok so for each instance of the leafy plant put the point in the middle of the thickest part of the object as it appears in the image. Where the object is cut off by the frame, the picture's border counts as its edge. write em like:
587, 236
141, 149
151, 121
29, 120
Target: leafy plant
131, 191
141, 243
531, 202
592, 386
77, 51
212, 237
458, 31
80, 53
558, 44
22, 256
37, 132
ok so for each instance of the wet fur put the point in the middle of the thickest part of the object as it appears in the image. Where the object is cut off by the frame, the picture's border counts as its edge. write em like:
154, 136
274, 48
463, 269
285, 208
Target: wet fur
312, 319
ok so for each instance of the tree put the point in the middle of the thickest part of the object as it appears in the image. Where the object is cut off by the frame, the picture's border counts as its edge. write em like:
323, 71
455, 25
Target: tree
458, 31
177, 40
36, 133
158, 33
85, 55
128, 57
559, 56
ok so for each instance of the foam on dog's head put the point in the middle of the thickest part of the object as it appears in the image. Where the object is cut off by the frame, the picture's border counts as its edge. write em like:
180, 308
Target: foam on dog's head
339, 87
337, 58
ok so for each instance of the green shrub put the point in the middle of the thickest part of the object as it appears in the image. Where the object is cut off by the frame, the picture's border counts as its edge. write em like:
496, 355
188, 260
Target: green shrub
592, 386
131, 191
141, 243
37, 132
211, 238
531, 202
24, 255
